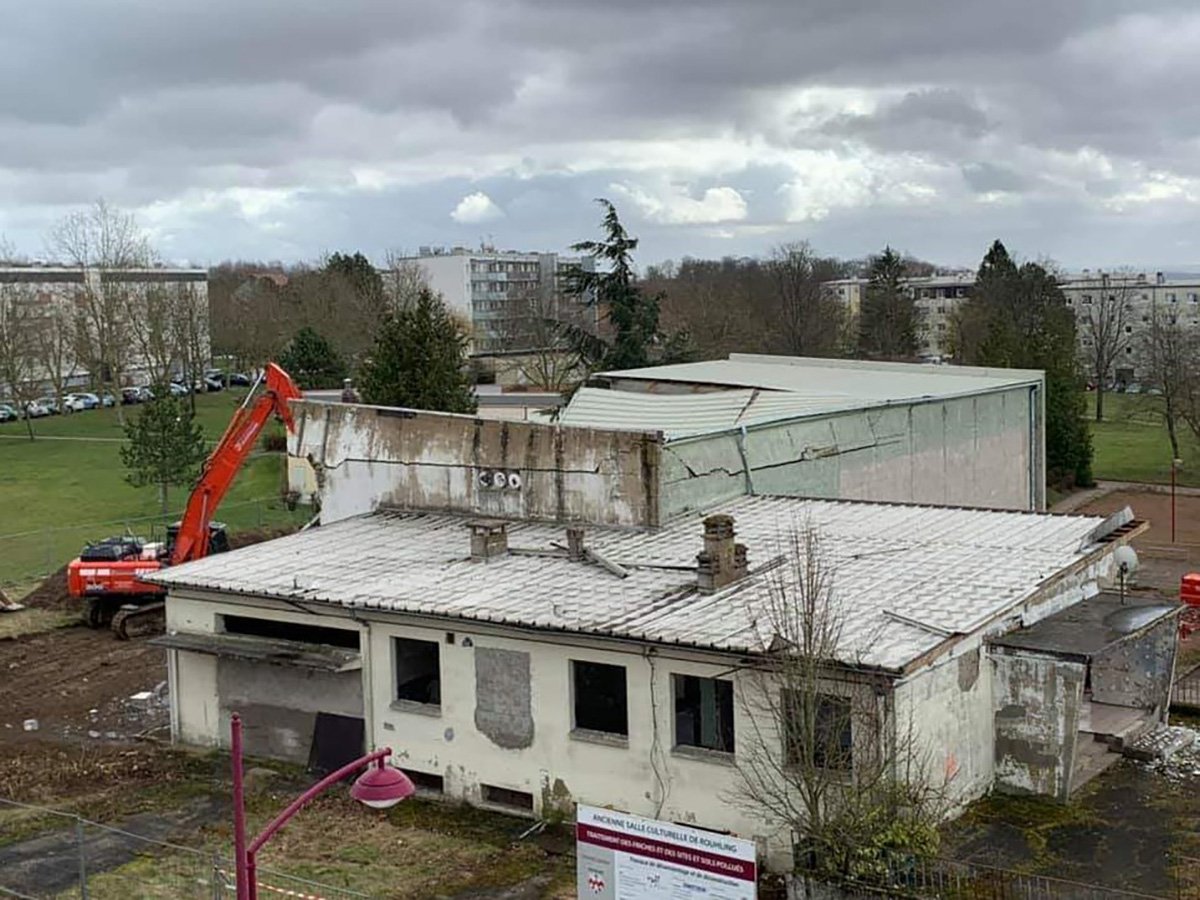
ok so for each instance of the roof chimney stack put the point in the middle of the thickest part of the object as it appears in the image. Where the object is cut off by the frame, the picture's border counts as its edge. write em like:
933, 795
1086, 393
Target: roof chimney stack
489, 539
722, 561
575, 544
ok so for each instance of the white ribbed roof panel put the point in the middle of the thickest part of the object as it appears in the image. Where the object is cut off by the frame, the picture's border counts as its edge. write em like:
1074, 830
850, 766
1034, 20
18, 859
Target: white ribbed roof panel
906, 576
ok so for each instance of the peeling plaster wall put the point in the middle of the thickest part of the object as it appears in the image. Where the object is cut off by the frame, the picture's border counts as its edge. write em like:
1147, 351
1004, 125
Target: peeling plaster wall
363, 457
1138, 671
981, 450
949, 708
1037, 708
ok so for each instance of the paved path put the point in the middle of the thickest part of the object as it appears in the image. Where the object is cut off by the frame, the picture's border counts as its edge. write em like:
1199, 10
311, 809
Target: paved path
48, 865
1080, 499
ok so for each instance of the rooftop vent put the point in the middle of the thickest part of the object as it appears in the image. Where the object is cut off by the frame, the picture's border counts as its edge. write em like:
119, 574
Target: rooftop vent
489, 538
722, 561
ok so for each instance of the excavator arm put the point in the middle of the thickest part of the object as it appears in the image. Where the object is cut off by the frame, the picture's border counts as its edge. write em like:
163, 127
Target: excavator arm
227, 458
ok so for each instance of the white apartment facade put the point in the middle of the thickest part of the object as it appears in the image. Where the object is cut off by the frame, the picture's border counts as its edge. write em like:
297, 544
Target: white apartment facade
50, 288
492, 288
1143, 295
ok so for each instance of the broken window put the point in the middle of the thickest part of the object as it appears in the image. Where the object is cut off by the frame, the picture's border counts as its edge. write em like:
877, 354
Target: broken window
418, 675
600, 698
290, 631
703, 712
817, 736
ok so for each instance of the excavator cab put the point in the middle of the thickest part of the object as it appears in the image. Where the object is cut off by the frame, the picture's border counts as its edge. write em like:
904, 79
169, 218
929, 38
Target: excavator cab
218, 537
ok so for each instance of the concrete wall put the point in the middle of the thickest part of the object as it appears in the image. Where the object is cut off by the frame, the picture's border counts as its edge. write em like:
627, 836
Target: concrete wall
366, 456
1037, 708
948, 709
982, 450
1138, 671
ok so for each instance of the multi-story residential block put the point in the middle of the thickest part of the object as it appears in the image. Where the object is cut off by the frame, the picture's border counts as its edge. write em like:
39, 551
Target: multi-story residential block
1089, 294
119, 301
494, 290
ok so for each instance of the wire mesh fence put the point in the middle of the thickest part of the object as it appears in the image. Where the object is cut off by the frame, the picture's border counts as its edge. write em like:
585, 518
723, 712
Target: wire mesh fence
1185, 693
913, 876
46, 853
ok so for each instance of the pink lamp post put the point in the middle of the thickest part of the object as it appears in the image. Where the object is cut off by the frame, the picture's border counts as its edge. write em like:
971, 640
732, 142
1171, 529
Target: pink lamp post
379, 787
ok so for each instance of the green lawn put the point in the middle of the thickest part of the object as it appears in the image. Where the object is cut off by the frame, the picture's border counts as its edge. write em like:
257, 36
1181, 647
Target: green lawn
1131, 444
56, 494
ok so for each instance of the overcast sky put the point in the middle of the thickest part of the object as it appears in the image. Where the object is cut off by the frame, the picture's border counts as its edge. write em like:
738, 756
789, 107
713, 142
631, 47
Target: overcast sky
281, 129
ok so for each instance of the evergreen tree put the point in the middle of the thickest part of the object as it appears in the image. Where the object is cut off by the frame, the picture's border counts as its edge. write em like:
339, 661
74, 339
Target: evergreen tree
1017, 317
164, 445
312, 361
358, 272
419, 360
637, 339
888, 318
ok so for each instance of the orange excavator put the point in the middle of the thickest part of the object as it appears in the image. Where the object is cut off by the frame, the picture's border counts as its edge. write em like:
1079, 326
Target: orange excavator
107, 572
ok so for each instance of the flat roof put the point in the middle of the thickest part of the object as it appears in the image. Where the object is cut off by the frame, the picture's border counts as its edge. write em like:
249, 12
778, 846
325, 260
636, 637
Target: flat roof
1089, 627
854, 380
906, 578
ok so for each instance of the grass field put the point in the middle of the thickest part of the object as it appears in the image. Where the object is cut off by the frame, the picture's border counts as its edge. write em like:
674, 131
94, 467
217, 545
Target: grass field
68, 486
1131, 443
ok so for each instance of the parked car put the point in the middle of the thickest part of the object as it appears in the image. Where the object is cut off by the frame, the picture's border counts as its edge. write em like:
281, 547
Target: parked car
130, 396
215, 375
35, 410
8, 413
212, 384
237, 379
108, 400
50, 405
89, 401
72, 403
177, 389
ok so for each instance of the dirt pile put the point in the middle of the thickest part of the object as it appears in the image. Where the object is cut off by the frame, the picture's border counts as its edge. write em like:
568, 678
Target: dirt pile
52, 594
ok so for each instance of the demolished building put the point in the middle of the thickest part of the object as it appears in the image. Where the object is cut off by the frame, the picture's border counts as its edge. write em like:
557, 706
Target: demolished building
535, 615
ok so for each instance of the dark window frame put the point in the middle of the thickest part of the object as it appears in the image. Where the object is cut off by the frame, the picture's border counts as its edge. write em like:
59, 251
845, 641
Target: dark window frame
693, 718
412, 692
610, 717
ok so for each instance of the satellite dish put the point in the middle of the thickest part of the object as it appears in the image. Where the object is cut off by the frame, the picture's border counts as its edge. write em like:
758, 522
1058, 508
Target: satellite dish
514, 480
499, 479
1126, 558
485, 479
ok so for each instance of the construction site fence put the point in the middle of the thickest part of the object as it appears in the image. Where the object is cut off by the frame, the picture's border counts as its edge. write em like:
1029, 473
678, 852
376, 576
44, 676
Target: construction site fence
28, 557
1185, 693
46, 853
903, 875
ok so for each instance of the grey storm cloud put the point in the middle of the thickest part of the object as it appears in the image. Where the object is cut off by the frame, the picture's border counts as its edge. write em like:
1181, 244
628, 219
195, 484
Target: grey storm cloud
283, 128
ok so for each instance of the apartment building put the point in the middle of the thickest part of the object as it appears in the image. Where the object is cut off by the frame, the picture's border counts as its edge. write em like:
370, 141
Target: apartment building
1141, 296
52, 289
495, 288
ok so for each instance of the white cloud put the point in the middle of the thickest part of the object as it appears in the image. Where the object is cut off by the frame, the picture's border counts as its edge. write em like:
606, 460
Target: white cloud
675, 206
476, 208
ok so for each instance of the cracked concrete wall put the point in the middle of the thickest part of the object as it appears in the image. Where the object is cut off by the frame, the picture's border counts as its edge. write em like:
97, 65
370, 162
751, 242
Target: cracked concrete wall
1138, 670
363, 457
980, 450
1037, 702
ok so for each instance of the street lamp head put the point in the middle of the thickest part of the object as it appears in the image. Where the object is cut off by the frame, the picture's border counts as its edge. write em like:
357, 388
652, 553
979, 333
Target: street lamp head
381, 786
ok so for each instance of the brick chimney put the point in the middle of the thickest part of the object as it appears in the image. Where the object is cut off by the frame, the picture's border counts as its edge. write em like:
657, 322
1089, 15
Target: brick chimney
575, 544
489, 538
722, 561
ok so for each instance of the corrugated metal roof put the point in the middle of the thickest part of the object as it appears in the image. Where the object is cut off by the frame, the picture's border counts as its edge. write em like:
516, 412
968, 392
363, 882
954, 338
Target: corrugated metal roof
679, 415
831, 378
942, 570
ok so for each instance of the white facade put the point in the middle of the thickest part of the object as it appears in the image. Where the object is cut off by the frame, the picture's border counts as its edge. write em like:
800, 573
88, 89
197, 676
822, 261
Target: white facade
488, 287
68, 287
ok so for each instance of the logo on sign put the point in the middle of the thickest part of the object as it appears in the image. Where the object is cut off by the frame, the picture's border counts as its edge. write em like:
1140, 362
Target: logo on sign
595, 881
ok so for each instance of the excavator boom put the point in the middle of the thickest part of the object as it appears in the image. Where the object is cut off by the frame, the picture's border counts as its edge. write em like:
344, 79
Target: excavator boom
227, 458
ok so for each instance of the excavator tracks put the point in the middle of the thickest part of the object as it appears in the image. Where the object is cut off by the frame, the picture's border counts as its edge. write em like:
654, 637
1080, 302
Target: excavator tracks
136, 621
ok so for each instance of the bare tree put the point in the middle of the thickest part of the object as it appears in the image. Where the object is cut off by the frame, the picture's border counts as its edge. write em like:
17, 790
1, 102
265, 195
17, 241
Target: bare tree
1103, 314
103, 240
1170, 354
403, 280
535, 334
54, 343
151, 329
813, 322
189, 334
825, 757
18, 354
